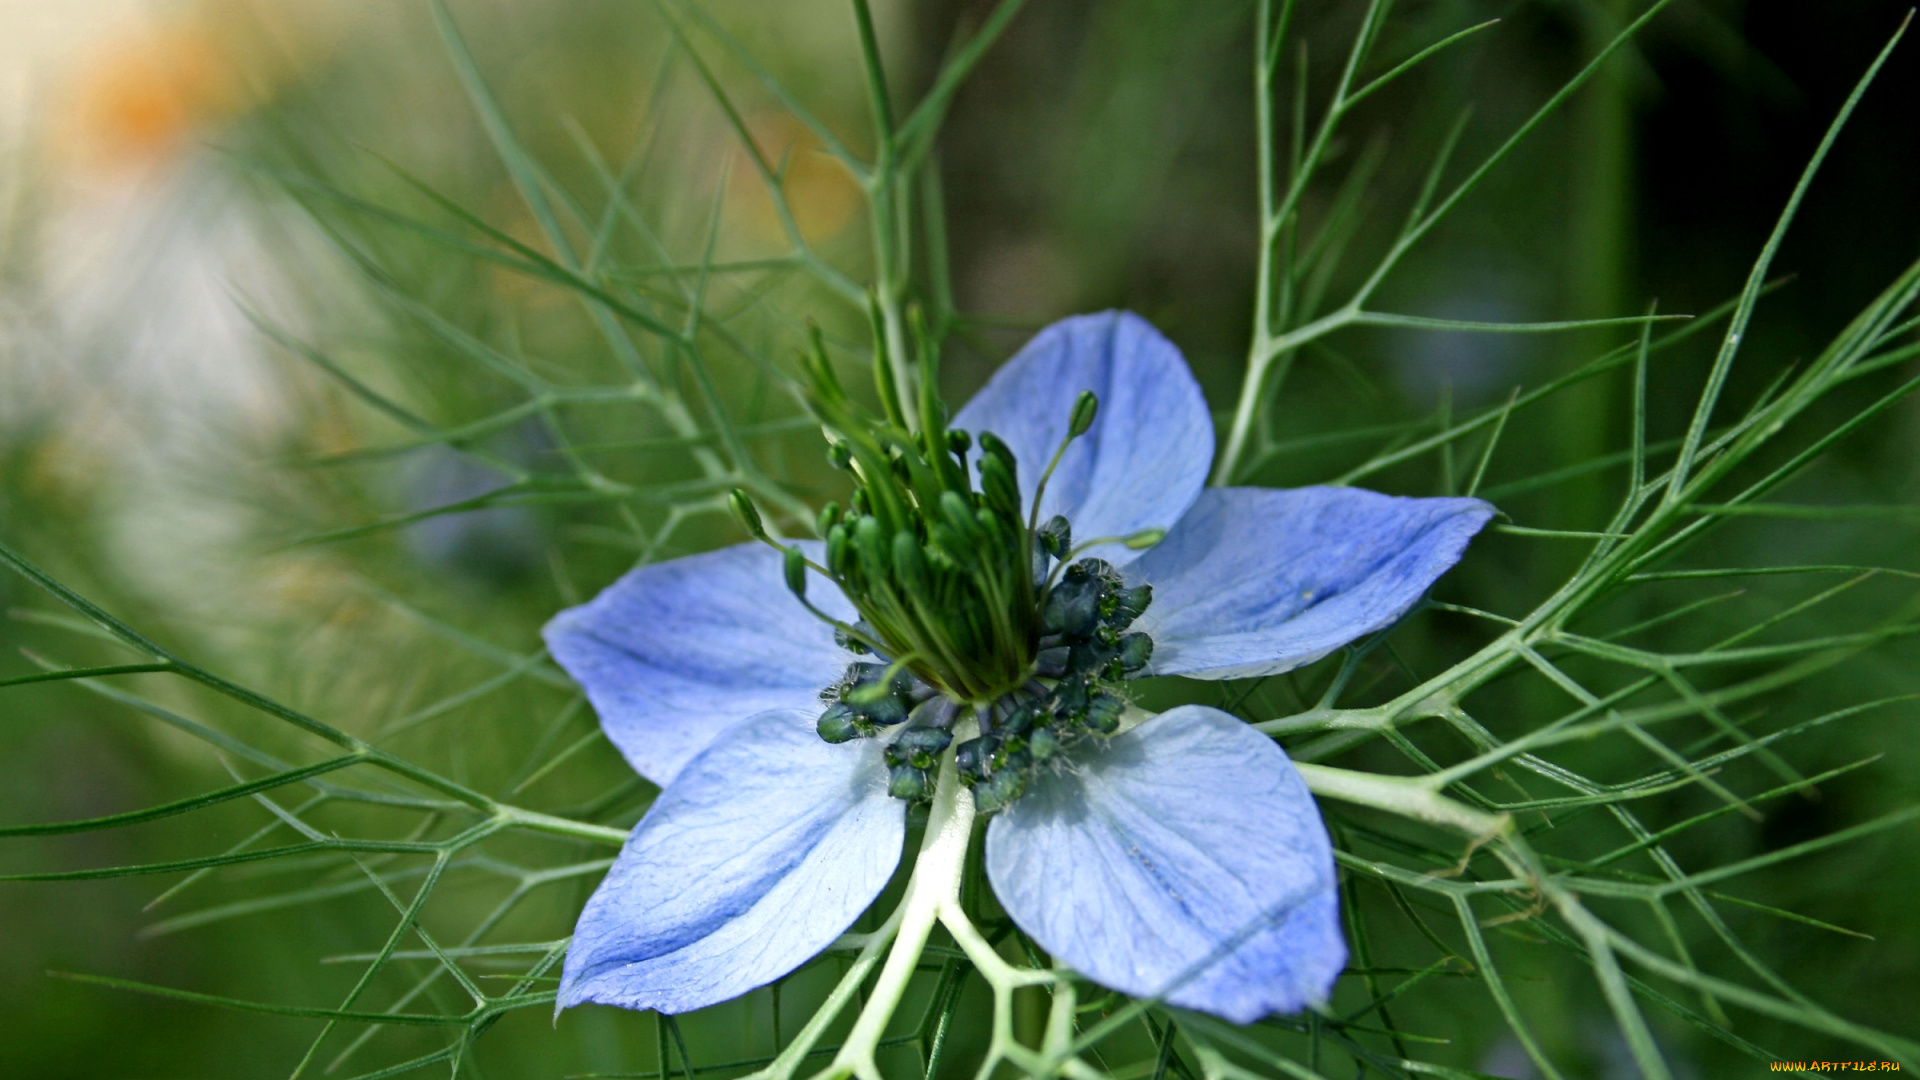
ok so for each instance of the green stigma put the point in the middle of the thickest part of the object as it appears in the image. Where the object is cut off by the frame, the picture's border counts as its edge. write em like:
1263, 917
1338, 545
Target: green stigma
932, 549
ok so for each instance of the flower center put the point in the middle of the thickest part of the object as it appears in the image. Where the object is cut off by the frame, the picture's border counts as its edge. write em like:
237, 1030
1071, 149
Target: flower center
965, 604
1070, 694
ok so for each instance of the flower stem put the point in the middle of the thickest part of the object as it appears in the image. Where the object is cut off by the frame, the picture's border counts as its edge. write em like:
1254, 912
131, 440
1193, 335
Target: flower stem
1406, 796
935, 886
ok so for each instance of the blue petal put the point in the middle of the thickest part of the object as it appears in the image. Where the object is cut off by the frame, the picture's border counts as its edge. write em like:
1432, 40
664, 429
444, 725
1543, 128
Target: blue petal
1184, 858
761, 853
676, 652
1146, 456
1255, 581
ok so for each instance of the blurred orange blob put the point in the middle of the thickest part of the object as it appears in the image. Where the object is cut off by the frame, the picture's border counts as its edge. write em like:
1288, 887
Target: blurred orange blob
138, 98
820, 194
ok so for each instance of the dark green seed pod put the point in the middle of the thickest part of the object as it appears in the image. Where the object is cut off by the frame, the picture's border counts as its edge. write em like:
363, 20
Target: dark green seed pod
1013, 757
1070, 697
1103, 713
1073, 607
884, 712
999, 791
1018, 721
907, 782
838, 724
1131, 603
1055, 537
930, 740
850, 643
1043, 743
972, 757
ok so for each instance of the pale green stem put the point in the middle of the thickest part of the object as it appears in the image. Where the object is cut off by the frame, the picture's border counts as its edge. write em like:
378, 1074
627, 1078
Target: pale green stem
783, 1066
559, 826
935, 886
1410, 797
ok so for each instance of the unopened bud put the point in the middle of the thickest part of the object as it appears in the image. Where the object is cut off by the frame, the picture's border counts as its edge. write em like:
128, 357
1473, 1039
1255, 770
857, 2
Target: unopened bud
837, 550
745, 514
829, 517
1085, 408
910, 567
959, 442
796, 568
1145, 538
993, 447
871, 547
998, 484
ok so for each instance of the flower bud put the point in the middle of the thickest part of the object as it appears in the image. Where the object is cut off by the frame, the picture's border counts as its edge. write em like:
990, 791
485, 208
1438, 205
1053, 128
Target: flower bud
1085, 408
745, 514
1135, 651
796, 568
960, 516
829, 517
838, 551
871, 547
959, 442
910, 567
997, 483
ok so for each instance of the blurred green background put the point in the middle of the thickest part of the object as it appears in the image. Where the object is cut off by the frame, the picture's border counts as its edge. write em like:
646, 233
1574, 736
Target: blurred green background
175, 183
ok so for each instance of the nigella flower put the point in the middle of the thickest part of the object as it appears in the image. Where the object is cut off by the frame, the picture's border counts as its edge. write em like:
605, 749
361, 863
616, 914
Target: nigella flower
792, 727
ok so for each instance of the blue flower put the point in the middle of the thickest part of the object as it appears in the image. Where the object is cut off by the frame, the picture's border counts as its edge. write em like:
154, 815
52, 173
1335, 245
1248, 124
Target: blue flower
1181, 856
